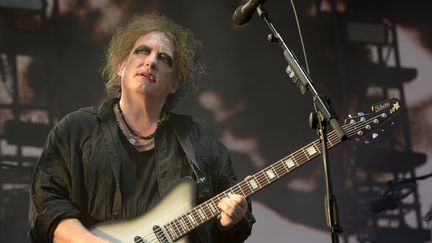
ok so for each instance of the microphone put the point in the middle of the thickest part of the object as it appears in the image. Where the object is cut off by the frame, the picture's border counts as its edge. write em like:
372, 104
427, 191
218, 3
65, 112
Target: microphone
244, 13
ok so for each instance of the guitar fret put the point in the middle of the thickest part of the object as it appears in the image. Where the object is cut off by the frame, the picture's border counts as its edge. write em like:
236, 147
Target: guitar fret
241, 190
208, 210
230, 192
329, 141
317, 148
279, 169
311, 151
237, 190
187, 221
191, 219
264, 181
270, 173
171, 233
290, 162
183, 225
201, 213
176, 228
305, 153
212, 207
299, 158
265, 176
253, 183
284, 165
258, 178
179, 226
197, 216
249, 187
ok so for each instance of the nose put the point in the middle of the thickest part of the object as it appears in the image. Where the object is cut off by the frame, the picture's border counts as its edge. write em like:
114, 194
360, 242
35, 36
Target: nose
150, 61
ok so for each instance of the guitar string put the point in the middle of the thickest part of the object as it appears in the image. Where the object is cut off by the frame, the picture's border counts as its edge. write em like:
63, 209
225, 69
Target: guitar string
298, 155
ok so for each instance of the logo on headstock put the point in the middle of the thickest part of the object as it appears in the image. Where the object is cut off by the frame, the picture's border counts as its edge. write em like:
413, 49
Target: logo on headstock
385, 105
395, 107
381, 106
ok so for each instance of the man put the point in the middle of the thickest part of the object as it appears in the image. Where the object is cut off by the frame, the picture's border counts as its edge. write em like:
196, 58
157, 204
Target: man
118, 160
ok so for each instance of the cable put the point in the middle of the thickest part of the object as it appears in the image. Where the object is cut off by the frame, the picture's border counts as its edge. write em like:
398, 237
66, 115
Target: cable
300, 36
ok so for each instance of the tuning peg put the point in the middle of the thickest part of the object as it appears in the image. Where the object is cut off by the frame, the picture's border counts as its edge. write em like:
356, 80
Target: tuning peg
360, 113
290, 72
303, 89
375, 135
272, 38
350, 116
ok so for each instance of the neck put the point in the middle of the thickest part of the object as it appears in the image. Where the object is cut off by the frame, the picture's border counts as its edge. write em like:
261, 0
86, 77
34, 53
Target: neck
142, 115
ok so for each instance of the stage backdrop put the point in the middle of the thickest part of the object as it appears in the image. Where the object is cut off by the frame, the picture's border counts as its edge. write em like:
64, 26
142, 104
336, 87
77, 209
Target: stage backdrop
358, 52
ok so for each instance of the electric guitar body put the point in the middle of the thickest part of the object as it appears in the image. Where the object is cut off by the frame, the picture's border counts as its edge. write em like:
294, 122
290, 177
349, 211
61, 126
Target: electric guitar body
149, 227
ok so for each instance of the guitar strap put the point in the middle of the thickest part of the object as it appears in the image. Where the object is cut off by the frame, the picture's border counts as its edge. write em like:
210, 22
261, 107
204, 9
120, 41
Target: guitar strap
180, 130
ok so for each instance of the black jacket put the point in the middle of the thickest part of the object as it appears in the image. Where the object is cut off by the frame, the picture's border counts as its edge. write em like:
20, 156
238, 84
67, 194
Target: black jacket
78, 174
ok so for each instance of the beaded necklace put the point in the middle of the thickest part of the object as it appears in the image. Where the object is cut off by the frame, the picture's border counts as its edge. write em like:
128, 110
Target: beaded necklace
133, 136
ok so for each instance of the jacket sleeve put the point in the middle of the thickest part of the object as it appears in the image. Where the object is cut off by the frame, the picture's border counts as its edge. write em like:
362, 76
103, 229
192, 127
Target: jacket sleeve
225, 178
50, 187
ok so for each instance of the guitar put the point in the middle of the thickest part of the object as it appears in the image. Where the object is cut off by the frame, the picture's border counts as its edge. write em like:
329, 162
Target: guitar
176, 215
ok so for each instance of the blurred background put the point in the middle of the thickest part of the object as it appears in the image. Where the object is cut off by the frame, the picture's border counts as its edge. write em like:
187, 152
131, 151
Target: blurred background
359, 52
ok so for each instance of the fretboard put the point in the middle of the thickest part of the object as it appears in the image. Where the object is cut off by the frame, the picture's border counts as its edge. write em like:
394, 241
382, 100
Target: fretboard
208, 209
358, 126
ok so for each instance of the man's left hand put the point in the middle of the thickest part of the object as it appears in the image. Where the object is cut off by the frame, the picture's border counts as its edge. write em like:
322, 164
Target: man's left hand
233, 209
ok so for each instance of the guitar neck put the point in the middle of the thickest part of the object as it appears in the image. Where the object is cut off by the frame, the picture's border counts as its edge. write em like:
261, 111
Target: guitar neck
358, 127
208, 209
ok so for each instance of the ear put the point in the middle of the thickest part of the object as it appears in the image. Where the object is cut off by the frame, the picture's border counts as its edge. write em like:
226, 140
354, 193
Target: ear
174, 87
121, 69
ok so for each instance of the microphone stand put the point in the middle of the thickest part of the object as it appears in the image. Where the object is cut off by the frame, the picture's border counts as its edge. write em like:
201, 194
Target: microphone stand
323, 115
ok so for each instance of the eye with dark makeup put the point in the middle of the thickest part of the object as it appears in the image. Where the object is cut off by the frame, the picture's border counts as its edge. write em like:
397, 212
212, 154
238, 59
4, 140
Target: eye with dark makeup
142, 49
164, 57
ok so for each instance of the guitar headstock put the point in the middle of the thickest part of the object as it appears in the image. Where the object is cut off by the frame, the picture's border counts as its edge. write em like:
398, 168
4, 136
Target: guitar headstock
363, 124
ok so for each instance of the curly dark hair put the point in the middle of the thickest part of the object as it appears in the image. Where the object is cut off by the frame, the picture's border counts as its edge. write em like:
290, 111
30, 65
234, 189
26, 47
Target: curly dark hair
187, 55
